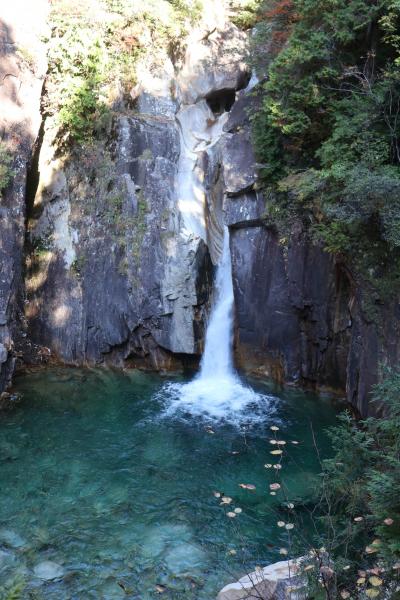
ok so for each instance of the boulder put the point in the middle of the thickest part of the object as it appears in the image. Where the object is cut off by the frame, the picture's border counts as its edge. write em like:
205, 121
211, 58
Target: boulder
48, 570
275, 582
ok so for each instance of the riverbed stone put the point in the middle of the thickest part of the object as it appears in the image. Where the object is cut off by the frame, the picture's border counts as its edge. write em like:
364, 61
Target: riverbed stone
48, 570
279, 581
12, 539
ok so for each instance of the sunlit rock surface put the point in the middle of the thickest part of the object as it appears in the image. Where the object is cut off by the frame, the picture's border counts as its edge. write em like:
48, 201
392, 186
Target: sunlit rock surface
279, 581
125, 271
22, 70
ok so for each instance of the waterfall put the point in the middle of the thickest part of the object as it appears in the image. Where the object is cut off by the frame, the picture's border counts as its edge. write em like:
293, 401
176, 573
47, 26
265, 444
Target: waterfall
217, 357
217, 392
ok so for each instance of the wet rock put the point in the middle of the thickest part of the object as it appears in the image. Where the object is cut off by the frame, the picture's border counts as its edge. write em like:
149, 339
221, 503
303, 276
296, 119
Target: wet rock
279, 581
11, 539
184, 559
48, 570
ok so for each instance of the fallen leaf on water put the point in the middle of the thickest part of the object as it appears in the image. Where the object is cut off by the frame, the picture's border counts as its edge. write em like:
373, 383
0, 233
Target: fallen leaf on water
361, 581
160, 589
226, 500
358, 519
294, 442
281, 523
290, 505
217, 494
281, 443
274, 428
289, 526
231, 515
274, 486
276, 452
247, 486
372, 593
309, 567
232, 552
268, 466
273, 442
283, 551
278, 467
388, 521
237, 510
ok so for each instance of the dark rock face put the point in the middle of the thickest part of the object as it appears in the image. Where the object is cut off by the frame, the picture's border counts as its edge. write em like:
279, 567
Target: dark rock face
20, 93
299, 312
104, 300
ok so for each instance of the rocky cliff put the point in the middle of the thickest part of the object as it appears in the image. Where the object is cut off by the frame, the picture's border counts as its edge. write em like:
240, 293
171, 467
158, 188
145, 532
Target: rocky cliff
122, 234
22, 72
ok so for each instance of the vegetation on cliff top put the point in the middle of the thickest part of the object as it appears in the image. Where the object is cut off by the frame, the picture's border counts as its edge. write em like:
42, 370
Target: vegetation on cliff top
328, 132
93, 55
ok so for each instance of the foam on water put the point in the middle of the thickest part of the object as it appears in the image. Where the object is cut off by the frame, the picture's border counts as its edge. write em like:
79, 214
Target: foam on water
217, 391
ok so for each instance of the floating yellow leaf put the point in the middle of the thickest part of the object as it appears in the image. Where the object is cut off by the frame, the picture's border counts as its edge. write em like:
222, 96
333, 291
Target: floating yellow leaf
375, 581
361, 581
276, 452
372, 593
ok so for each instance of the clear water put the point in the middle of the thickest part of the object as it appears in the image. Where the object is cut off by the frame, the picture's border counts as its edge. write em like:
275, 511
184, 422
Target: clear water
99, 475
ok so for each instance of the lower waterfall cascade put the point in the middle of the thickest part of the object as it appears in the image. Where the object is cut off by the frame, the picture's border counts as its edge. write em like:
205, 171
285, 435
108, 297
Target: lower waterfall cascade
217, 392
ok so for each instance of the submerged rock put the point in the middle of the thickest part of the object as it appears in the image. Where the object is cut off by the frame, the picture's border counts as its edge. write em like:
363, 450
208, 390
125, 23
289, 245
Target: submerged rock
48, 570
11, 539
183, 559
275, 582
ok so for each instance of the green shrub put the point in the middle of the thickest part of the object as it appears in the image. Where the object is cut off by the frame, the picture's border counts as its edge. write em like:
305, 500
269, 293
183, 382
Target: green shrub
6, 172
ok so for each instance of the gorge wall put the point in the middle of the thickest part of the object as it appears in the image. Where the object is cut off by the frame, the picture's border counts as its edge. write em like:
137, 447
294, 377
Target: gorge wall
122, 236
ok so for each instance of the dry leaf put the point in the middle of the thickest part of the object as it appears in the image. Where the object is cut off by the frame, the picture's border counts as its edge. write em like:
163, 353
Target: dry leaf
375, 581
372, 593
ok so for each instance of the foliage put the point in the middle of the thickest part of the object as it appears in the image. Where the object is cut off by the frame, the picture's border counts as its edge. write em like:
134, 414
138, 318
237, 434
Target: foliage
246, 13
357, 516
330, 118
13, 589
6, 172
94, 53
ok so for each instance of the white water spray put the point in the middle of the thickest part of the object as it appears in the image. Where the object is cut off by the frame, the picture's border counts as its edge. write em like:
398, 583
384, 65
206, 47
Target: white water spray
217, 391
